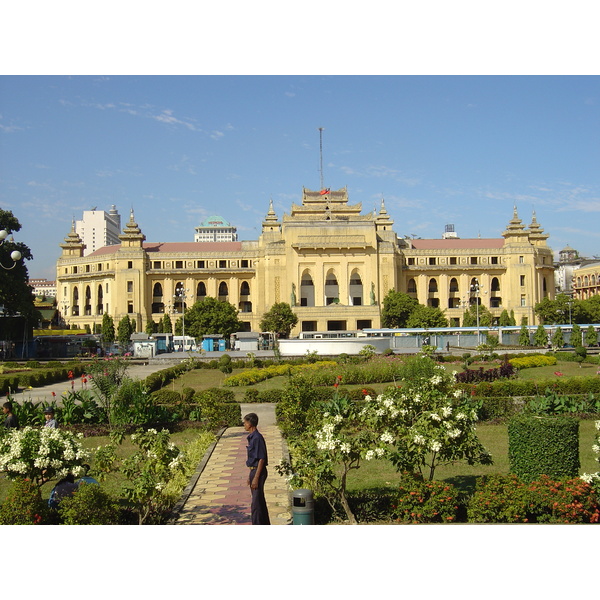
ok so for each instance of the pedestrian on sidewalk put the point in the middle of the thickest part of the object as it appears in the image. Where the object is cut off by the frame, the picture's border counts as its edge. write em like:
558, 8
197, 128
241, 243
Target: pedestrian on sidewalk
257, 462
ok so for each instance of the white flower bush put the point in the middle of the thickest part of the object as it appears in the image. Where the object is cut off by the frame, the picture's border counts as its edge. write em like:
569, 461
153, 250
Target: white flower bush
42, 454
594, 478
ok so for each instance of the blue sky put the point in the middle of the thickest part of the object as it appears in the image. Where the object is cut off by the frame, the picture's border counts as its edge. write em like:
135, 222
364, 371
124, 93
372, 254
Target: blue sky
439, 150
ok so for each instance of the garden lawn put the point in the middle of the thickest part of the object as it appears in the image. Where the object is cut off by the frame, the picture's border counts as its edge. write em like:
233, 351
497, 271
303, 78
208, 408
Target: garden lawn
381, 473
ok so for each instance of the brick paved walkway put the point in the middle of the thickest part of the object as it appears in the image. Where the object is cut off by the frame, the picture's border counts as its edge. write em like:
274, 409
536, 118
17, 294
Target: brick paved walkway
221, 495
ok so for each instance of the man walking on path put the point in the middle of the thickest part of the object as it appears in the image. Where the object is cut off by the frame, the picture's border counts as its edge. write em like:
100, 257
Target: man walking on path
257, 462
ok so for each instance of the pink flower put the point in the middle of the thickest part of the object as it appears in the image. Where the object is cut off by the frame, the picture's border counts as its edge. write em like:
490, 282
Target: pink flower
558, 373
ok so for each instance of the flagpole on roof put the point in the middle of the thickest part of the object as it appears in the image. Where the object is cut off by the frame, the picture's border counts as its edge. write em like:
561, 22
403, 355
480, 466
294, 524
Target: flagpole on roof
321, 153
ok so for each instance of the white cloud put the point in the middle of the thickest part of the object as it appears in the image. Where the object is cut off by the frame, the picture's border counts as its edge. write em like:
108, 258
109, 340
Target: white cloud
381, 172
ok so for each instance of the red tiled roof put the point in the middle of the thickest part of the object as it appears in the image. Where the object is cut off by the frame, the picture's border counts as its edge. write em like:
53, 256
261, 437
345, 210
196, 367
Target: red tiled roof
458, 244
175, 247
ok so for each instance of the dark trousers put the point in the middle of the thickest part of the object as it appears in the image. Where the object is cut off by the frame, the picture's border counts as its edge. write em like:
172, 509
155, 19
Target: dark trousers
260, 514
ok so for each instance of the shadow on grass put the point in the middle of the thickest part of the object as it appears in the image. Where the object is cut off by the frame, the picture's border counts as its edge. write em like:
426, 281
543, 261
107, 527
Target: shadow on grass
464, 483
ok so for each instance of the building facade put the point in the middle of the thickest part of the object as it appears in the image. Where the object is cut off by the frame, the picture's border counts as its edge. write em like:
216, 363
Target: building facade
43, 287
99, 228
215, 229
331, 263
586, 281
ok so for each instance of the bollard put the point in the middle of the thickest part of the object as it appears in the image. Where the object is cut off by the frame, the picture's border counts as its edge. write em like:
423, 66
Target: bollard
303, 507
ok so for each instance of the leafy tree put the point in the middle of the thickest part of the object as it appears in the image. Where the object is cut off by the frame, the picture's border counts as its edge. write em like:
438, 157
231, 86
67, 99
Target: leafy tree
280, 319
397, 308
504, 320
576, 336
15, 294
108, 329
211, 316
167, 326
561, 310
541, 337
524, 336
124, 331
427, 316
179, 326
591, 336
558, 340
470, 316
590, 309
513, 321
150, 327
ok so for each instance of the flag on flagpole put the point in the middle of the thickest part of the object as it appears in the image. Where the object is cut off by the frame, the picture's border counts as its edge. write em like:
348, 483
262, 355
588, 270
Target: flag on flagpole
323, 192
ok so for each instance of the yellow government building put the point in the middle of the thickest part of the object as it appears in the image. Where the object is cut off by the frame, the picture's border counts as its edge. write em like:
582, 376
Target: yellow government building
331, 263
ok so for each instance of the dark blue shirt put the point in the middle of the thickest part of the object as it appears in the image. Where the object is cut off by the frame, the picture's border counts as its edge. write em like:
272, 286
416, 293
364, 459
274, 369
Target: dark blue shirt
256, 448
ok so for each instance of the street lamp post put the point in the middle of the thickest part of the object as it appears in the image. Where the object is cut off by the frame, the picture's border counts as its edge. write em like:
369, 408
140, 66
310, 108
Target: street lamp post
475, 290
181, 295
15, 254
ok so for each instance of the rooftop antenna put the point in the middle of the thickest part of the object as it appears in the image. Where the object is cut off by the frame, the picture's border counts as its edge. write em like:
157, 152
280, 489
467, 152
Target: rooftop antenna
321, 153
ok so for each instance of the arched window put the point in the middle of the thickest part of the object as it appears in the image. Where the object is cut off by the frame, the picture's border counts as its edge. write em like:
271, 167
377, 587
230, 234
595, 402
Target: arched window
332, 290
355, 291
179, 303
88, 301
307, 290
495, 287
201, 290
244, 289
454, 285
223, 290
100, 304
411, 287
157, 291
433, 286
75, 305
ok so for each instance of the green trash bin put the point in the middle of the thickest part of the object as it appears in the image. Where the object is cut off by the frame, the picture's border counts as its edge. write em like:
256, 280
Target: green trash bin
303, 507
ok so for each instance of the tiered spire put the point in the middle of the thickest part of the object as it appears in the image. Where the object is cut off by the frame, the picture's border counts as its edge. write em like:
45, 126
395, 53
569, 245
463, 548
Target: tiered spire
271, 221
73, 245
132, 235
383, 219
536, 233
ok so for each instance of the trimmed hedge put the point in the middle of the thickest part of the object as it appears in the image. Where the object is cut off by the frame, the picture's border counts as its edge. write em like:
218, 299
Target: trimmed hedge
543, 445
40, 376
518, 387
533, 360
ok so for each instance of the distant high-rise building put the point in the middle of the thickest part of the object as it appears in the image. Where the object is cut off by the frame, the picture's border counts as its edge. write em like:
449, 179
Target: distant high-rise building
99, 228
449, 233
215, 229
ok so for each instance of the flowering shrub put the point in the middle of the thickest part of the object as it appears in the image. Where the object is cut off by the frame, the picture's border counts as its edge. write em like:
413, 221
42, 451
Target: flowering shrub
148, 471
23, 505
594, 478
426, 421
41, 454
506, 499
328, 450
422, 501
